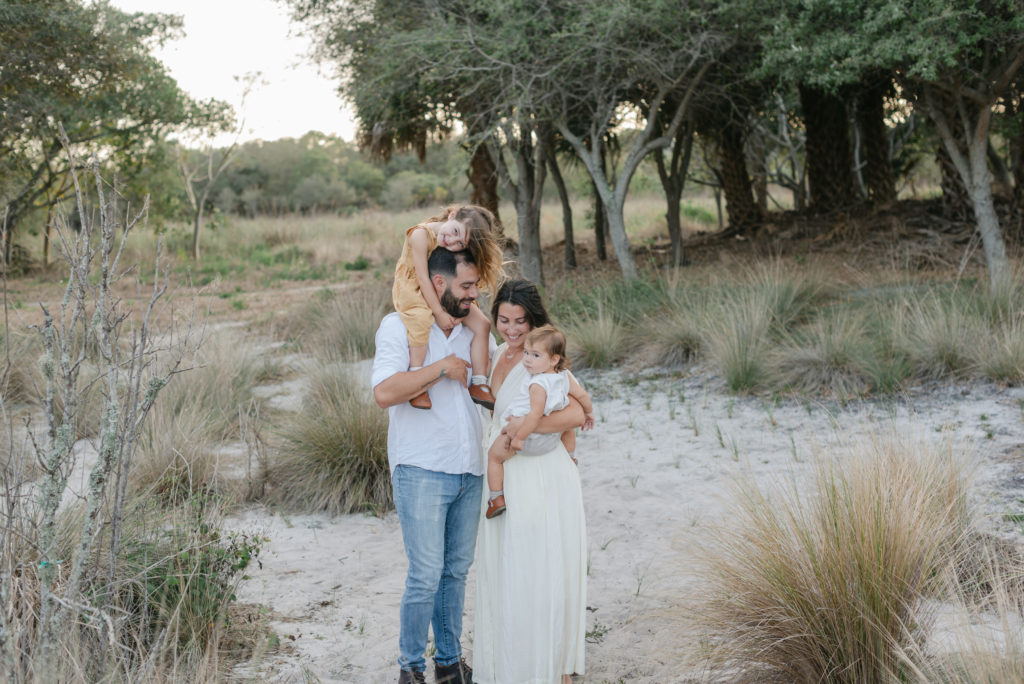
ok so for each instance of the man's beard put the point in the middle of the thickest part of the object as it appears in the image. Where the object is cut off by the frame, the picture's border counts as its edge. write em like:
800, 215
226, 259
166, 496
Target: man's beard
454, 306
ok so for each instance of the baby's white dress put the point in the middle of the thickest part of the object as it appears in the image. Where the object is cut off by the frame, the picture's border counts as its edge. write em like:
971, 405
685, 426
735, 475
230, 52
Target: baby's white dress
556, 386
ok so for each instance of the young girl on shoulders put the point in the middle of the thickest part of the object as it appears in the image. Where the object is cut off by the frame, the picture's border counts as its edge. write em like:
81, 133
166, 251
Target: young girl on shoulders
546, 390
460, 228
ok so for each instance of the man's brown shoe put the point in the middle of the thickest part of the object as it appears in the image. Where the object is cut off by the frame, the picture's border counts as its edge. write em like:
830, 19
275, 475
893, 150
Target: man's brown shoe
456, 673
421, 401
495, 506
481, 394
411, 677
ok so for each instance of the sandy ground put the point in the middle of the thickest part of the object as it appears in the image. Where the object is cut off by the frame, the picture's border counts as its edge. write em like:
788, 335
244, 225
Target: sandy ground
656, 474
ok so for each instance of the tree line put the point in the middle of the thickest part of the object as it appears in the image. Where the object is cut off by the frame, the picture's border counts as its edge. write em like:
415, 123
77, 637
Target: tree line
538, 81
836, 102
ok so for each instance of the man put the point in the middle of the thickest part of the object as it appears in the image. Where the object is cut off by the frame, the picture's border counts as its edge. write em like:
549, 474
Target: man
436, 471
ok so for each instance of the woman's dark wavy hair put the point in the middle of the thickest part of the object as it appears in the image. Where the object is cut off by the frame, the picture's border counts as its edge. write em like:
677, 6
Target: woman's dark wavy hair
521, 293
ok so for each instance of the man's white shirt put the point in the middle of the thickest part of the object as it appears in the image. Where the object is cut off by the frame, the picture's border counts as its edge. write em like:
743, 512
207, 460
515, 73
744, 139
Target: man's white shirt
447, 437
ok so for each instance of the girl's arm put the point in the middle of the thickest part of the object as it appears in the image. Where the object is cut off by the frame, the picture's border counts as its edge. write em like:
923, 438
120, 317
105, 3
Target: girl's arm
577, 392
538, 397
418, 242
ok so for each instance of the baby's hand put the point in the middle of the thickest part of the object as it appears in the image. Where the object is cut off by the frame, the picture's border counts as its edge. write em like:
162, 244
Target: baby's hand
588, 421
517, 444
445, 321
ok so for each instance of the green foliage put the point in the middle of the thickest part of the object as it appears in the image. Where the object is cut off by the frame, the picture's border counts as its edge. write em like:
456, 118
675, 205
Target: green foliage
334, 457
88, 68
181, 577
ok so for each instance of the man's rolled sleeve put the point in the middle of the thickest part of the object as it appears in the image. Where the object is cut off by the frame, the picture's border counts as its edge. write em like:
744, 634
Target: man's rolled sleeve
392, 354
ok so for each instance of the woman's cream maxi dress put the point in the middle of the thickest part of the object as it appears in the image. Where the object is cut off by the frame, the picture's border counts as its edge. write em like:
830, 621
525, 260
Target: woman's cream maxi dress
530, 619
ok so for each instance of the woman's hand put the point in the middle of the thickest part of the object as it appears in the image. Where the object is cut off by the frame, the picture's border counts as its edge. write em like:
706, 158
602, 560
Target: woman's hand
511, 428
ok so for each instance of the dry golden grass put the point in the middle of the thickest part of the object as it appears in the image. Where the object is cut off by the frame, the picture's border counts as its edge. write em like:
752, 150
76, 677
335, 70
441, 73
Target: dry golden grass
334, 452
827, 582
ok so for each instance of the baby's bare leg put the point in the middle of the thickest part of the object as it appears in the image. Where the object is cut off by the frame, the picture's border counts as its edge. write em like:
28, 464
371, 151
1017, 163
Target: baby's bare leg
569, 440
496, 456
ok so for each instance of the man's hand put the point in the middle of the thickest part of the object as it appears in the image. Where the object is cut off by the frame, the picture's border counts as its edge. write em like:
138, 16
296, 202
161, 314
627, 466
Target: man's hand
455, 368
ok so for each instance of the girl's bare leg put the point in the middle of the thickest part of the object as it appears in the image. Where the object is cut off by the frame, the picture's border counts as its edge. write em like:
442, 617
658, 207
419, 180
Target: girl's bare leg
417, 356
479, 351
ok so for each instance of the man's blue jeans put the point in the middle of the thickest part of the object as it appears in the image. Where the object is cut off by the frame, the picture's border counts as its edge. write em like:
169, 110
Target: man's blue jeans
439, 514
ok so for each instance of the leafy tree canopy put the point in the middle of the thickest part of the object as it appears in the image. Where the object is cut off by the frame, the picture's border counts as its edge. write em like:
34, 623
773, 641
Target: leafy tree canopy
89, 69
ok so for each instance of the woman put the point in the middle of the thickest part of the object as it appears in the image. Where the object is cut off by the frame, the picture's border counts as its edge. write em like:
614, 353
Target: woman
531, 562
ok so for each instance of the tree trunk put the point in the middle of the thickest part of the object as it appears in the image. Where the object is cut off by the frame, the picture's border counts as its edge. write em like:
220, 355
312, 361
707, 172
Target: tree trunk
563, 196
739, 196
197, 223
46, 237
528, 194
617, 228
673, 178
968, 152
483, 176
878, 173
956, 201
829, 161
600, 224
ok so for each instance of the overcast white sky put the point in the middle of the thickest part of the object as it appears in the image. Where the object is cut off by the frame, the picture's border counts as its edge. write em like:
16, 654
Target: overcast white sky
228, 38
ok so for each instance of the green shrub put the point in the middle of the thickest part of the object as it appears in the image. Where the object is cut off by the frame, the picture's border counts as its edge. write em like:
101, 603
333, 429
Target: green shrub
179, 576
829, 586
334, 456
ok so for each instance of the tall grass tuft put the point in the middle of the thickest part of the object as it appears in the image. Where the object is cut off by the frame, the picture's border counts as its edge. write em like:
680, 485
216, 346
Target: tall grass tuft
939, 333
790, 296
196, 412
833, 355
595, 341
334, 456
338, 325
736, 339
829, 584
999, 356
23, 351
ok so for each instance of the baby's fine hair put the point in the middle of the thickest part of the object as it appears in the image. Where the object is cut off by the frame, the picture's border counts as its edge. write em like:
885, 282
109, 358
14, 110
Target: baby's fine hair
483, 241
552, 341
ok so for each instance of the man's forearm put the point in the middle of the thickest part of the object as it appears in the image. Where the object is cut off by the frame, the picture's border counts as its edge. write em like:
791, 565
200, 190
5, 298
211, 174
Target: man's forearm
401, 387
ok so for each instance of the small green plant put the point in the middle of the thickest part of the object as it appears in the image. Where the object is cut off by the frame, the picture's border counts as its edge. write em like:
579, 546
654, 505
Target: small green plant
360, 263
596, 633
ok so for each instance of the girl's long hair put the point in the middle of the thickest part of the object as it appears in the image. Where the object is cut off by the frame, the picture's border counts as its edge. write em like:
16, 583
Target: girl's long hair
483, 242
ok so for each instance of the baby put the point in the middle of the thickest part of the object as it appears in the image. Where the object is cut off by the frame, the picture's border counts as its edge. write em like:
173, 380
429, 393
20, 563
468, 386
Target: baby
546, 390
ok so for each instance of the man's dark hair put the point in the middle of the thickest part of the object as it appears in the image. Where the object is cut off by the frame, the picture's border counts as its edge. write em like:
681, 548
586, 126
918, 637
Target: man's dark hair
443, 262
